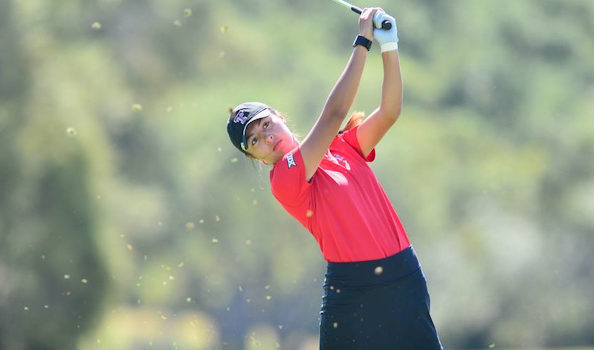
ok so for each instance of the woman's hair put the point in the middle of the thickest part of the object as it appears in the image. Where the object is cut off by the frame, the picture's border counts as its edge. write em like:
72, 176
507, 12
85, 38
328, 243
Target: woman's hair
355, 119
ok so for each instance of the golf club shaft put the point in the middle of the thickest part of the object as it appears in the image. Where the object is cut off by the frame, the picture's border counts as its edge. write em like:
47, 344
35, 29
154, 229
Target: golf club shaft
385, 24
356, 10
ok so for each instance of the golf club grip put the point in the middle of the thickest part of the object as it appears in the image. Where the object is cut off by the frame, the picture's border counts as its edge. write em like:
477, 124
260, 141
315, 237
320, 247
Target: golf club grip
385, 24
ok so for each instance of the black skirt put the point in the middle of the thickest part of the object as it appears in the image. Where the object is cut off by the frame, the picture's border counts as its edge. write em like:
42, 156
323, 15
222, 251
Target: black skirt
377, 304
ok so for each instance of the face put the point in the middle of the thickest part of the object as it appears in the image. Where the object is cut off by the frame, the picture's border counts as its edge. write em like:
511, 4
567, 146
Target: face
269, 138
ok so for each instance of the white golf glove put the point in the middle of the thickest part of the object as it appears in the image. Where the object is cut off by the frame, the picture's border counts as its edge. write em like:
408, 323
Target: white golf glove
388, 39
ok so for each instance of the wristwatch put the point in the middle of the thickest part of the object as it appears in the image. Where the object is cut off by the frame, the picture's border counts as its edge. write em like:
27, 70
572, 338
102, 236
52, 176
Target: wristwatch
363, 41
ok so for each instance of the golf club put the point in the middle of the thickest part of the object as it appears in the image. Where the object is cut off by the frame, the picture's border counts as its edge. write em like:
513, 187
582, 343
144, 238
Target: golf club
385, 23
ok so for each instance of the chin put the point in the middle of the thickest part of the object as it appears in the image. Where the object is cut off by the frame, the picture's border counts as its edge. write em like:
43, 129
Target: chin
281, 153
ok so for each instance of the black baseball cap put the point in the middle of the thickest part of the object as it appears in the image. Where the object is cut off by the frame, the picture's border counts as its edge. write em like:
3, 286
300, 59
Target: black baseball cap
240, 118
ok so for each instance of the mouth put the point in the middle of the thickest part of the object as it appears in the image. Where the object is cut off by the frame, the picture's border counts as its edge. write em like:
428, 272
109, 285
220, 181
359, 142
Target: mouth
276, 145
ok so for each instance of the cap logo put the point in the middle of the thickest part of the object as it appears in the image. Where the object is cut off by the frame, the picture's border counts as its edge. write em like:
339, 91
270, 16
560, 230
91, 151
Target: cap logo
241, 117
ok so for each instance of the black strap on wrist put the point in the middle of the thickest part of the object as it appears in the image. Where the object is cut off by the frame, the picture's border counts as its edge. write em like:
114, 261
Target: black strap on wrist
363, 41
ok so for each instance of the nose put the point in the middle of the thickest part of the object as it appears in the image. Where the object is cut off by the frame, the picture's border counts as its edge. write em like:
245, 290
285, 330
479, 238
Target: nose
269, 138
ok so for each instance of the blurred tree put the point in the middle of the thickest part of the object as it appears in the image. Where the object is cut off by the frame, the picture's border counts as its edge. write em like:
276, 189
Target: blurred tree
52, 280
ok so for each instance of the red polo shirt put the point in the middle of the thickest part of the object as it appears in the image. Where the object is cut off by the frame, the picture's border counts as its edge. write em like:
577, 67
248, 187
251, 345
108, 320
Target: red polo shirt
343, 206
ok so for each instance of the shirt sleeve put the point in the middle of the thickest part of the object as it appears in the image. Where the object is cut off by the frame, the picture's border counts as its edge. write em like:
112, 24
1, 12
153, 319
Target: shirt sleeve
350, 136
287, 179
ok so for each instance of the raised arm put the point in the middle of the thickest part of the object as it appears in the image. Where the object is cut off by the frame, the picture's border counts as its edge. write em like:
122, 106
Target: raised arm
372, 129
339, 102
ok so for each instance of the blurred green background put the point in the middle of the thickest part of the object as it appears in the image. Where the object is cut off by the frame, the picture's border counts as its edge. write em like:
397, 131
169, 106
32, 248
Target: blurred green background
128, 221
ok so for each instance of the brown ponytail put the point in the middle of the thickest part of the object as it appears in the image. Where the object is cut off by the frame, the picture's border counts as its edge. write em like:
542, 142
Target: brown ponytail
355, 119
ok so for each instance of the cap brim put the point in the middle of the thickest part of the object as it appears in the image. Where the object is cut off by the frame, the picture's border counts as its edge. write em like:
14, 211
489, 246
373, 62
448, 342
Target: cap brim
263, 114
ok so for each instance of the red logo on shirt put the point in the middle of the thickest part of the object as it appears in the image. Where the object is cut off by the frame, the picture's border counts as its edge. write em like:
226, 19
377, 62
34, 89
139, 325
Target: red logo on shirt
291, 161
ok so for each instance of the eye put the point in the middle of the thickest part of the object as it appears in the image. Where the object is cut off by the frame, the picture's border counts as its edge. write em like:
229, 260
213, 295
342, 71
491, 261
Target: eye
266, 124
254, 140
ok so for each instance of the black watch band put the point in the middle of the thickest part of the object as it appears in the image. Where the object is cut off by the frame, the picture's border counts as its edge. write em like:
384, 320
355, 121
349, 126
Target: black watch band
363, 41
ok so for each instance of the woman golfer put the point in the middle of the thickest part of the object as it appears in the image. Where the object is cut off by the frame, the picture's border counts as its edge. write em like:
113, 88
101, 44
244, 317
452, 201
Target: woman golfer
375, 293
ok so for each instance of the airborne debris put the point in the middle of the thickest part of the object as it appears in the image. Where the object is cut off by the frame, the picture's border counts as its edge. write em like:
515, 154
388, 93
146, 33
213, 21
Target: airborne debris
190, 225
71, 131
96, 25
224, 29
137, 107
187, 12
378, 270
